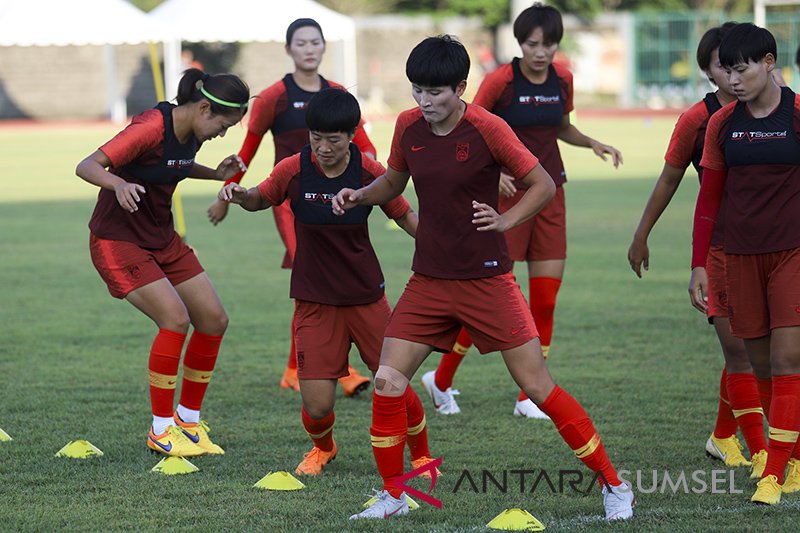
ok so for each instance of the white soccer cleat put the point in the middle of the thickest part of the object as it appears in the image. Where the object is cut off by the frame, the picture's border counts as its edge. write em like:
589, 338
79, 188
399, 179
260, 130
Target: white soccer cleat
385, 506
618, 502
443, 401
528, 409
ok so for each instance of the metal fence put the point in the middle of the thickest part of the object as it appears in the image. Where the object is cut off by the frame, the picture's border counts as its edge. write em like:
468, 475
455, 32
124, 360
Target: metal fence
665, 72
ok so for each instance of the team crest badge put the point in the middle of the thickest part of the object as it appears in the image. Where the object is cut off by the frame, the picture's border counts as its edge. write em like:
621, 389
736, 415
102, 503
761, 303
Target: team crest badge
462, 152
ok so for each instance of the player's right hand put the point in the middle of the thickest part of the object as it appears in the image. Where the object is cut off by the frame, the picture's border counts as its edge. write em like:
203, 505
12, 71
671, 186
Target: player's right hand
639, 256
128, 195
698, 289
217, 211
506, 186
344, 200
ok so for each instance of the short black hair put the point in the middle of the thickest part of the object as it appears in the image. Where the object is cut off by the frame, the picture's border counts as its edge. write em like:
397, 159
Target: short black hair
745, 42
797, 57
438, 61
709, 42
302, 23
333, 110
539, 16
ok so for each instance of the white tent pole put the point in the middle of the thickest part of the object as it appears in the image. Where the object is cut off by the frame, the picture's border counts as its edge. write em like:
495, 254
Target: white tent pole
117, 110
172, 67
349, 66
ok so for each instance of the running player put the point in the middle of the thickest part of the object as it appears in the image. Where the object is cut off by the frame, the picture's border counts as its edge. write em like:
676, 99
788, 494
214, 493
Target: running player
337, 282
534, 96
281, 107
739, 401
455, 151
143, 260
752, 155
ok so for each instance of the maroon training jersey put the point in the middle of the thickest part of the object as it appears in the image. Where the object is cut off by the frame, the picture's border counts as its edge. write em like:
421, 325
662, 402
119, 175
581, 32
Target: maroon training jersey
686, 147
449, 172
148, 153
535, 111
335, 263
762, 158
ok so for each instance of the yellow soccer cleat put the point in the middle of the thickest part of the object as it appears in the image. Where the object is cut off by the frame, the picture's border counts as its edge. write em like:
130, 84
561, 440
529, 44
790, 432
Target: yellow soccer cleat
791, 483
727, 450
768, 491
759, 461
173, 442
198, 435
314, 461
290, 380
422, 461
354, 383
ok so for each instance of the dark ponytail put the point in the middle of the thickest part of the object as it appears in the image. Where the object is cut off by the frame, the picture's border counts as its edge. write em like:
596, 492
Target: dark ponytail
226, 93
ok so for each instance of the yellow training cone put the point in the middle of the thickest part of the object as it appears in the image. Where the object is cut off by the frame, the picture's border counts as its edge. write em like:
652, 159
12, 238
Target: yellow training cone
516, 520
171, 466
79, 449
279, 481
4, 437
412, 505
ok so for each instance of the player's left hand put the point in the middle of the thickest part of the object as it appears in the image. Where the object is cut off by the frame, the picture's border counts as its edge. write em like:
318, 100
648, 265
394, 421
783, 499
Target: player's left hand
600, 150
229, 167
698, 289
486, 218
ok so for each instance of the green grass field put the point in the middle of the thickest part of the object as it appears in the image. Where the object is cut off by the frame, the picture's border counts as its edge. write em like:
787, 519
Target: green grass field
73, 365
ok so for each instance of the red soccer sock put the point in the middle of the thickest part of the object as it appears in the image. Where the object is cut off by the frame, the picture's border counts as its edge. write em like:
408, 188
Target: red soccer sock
578, 432
417, 435
320, 431
292, 362
726, 421
784, 423
165, 357
198, 366
765, 393
450, 361
746, 407
543, 292
388, 434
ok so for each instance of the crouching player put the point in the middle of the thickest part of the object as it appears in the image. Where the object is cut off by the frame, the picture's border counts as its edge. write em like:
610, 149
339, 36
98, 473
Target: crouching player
336, 280
455, 151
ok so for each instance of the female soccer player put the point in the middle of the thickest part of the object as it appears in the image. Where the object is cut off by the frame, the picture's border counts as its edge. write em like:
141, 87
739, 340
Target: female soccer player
337, 282
281, 107
534, 96
142, 259
739, 401
752, 155
455, 151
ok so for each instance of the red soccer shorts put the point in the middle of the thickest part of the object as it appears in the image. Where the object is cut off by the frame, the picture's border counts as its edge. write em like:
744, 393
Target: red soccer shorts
431, 311
323, 334
763, 292
717, 291
125, 266
541, 238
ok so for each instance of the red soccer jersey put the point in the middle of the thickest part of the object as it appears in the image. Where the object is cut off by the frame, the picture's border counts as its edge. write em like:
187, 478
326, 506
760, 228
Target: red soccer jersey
335, 263
449, 172
281, 108
686, 146
762, 159
140, 143
535, 111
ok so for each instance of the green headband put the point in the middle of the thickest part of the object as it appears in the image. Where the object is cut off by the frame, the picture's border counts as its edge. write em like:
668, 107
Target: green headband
217, 100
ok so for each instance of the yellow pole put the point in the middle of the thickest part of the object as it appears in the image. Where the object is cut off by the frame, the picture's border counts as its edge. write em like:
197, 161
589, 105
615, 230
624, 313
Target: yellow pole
158, 81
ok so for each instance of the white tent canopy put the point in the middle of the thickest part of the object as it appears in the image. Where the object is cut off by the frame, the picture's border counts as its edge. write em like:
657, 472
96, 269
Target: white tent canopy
254, 21
76, 22
83, 22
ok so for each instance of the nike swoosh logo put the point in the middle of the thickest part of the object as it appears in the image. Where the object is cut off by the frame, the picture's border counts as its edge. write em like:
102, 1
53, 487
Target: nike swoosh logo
165, 448
170, 383
417, 148
515, 331
194, 438
387, 515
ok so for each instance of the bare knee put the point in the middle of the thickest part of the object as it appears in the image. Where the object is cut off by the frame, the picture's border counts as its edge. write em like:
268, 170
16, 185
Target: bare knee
213, 323
178, 322
390, 382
